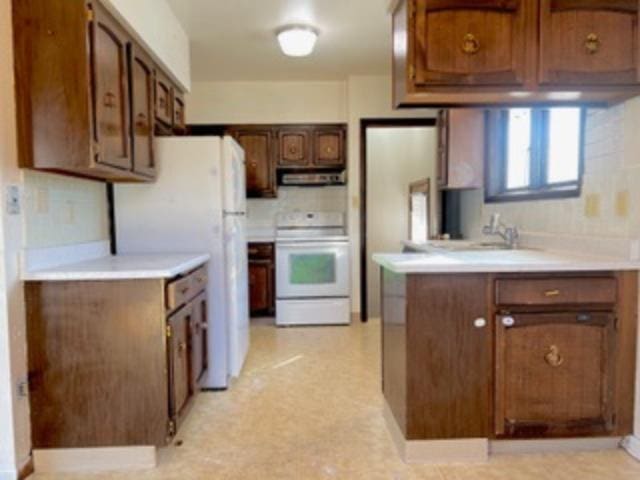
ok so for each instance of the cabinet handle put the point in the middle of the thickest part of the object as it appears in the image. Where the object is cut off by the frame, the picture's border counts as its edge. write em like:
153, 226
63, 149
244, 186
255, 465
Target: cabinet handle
109, 100
592, 44
552, 293
553, 357
479, 323
293, 150
182, 346
253, 165
470, 44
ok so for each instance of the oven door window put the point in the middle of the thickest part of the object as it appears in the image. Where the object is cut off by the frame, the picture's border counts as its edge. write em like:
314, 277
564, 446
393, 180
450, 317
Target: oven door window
312, 269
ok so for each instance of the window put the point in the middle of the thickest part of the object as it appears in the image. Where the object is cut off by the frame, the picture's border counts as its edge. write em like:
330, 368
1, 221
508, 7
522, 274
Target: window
534, 153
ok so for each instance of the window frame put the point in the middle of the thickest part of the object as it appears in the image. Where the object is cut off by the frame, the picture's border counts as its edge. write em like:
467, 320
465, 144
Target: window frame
496, 160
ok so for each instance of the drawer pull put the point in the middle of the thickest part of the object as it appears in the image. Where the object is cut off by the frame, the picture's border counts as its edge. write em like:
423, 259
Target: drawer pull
553, 357
109, 100
182, 346
552, 293
184, 290
592, 44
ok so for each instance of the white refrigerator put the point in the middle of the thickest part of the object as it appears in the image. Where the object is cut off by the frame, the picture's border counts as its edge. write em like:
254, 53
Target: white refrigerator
198, 204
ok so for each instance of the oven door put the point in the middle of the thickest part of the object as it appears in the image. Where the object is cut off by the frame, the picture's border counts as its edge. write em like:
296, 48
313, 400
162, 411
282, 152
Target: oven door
312, 269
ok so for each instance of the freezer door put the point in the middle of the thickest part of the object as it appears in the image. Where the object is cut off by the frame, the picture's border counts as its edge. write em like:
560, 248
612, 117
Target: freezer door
234, 173
236, 280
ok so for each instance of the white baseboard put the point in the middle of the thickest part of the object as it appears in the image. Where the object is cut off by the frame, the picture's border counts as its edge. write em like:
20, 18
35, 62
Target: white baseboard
632, 445
563, 445
94, 459
468, 450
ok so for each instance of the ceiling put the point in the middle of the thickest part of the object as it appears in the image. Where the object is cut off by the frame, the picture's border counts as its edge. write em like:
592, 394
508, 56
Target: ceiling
235, 39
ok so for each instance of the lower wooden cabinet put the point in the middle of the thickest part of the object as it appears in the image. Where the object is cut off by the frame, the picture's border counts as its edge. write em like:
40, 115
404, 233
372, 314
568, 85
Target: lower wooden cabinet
510, 356
262, 299
110, 364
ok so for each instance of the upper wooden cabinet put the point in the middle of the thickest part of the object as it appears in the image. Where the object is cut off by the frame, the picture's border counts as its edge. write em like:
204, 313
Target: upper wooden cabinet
84, 92
488, 52
142, 111
259, 148
484, 43
589, 42
294, 145
329, 147
461, 141
164, 101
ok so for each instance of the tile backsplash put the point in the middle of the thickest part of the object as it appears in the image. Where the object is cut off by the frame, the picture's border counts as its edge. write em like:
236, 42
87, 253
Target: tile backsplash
62, 211
262, 212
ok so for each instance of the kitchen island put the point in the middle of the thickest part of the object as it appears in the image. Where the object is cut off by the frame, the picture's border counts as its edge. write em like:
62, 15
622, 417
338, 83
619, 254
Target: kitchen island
491, 350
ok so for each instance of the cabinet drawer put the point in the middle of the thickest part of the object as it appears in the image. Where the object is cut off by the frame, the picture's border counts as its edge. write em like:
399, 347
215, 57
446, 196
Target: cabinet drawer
261, 251
181, 290
552, 291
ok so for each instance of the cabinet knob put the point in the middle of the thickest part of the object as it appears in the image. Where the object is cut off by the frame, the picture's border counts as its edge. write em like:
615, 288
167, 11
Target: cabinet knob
109, 100
479, 323
182, 346
470, 44
592, 44
508, 321
553, 357
141, 121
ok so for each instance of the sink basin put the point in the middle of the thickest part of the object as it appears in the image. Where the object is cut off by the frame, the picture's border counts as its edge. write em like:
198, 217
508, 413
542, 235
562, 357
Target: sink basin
461, 246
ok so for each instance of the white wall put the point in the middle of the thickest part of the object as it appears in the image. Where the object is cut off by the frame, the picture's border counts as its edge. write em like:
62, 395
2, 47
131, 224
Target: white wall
155, 26
305, 102
396, 157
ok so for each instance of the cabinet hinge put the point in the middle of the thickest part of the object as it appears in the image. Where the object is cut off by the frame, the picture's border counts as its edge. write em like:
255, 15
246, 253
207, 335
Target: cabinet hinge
171, 428
90, 14
412, 72
169, 331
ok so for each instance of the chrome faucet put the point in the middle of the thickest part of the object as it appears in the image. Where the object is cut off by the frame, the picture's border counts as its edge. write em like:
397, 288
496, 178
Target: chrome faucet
510, 235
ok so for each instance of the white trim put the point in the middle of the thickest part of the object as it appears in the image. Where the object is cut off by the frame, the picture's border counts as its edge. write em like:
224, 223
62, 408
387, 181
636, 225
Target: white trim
94, 459
632, 445
468, 450
36, 259
554, 445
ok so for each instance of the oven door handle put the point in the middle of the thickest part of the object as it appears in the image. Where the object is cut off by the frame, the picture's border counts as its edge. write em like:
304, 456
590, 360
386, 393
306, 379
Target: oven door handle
306, 245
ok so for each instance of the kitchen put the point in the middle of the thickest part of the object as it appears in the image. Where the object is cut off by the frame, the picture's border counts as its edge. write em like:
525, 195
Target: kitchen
280, 396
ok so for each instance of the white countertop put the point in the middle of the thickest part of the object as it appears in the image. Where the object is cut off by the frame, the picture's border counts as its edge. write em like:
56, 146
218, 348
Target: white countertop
121, 267
523, 260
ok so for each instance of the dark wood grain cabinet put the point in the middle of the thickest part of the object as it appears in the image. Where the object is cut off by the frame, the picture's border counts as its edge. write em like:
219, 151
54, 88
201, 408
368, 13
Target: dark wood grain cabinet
138, 352
329, 147
259, 148
523, 356
294, 146
461, 152
85, 93
464, 52
262, 279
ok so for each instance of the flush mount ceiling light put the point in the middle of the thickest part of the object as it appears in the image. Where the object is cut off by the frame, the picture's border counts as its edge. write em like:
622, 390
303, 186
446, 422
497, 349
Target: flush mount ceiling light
297, 40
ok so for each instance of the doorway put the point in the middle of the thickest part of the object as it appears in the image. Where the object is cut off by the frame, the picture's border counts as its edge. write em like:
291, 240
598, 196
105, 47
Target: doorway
395, 153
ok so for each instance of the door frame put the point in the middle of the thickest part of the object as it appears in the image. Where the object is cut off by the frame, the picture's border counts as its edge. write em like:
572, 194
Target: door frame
365, 124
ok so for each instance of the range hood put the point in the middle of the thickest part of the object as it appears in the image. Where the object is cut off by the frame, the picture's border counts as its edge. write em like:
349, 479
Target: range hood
312, 179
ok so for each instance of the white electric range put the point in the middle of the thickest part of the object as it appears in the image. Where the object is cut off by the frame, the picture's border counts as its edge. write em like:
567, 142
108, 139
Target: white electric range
312, 269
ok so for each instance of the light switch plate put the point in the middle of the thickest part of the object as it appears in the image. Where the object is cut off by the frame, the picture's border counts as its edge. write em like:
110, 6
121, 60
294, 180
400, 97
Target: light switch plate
13, 199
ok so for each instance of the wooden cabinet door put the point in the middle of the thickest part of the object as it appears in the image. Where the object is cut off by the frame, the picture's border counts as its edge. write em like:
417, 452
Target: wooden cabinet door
258, 147
179, 118
471, 42
199, 350
555, 374
260, 286
180, 360
443, 148
294, 147
111, 91
164, 101
142, 112
589, 42
449, 357
329, 149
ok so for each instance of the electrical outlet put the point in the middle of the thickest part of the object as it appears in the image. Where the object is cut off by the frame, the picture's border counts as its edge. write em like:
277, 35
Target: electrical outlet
592, 205
622, 204
13, 200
